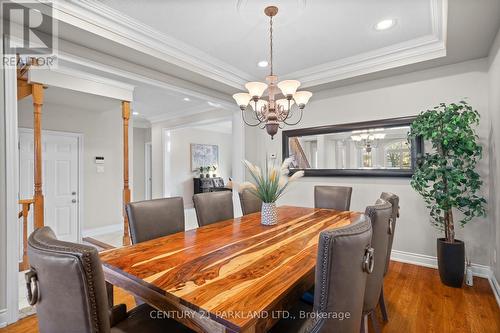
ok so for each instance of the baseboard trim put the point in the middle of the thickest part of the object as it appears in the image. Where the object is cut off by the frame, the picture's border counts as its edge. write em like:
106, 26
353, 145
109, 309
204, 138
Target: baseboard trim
495, 286
102, 230
430, 261
3, 318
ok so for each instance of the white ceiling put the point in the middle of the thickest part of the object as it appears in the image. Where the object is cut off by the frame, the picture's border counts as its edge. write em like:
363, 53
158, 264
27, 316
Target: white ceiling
206, 50
306, 33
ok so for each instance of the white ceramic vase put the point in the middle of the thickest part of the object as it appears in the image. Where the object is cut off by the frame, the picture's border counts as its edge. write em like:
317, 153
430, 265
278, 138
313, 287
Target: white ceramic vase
269, 213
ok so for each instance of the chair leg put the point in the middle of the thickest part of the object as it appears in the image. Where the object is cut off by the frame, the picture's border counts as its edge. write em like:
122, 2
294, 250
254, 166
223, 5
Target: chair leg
383, 309
109, 292
376, 326
364, 324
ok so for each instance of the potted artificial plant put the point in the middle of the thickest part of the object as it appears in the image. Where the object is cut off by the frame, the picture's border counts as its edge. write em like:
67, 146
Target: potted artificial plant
270, 185
447, 180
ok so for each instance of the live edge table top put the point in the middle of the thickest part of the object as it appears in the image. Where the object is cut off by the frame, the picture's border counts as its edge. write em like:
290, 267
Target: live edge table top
227, 272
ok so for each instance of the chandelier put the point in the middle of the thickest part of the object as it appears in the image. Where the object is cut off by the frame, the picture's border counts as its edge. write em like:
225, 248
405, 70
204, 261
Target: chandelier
367, 141
271, 113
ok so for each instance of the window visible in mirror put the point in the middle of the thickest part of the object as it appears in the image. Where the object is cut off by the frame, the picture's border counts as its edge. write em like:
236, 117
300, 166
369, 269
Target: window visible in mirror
368, 148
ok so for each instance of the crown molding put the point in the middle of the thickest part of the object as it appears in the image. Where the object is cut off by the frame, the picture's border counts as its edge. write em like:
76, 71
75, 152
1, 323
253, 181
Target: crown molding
409, 52
69, 78
162, 81
106, 22
195, 92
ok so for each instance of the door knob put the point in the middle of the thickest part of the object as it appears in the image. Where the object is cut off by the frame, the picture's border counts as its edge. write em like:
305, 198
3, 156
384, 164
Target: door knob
73, 201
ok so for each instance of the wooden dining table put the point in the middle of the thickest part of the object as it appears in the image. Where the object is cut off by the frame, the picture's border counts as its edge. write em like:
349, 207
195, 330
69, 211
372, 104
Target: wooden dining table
232, 276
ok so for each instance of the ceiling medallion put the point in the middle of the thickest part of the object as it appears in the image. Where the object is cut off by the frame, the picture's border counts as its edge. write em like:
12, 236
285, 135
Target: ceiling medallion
270, 113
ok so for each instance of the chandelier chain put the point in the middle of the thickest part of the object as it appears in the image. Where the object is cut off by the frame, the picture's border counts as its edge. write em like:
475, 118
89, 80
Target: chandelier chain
271, 42
268, 111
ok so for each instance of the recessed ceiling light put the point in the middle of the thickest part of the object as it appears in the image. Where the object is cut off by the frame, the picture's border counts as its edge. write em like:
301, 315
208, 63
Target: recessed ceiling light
186, 99
263, 63
135, 113
385, 24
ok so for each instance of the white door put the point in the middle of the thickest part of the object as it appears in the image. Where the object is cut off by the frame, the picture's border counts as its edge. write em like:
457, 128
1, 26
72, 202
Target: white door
148, 172
59, 179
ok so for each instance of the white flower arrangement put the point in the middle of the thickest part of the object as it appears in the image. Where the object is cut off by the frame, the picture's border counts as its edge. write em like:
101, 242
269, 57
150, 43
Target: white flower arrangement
270, 185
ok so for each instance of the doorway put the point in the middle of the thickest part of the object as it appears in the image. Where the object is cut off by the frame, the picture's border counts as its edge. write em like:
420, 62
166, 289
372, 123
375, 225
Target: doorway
61, 179
148, 153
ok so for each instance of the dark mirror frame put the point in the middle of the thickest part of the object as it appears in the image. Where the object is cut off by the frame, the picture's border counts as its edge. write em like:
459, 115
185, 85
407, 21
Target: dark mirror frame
416, 147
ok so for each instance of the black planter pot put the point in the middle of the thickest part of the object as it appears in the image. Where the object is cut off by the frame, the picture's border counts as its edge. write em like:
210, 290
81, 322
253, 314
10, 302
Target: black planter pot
451, 262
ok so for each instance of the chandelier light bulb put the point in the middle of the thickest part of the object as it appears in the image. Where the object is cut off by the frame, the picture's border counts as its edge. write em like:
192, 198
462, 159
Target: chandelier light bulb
302, 97
242, 99
256, 89
355, 138
288, 87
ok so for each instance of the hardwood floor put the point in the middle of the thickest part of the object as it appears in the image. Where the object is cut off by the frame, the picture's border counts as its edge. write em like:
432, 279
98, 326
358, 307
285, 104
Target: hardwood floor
416, 301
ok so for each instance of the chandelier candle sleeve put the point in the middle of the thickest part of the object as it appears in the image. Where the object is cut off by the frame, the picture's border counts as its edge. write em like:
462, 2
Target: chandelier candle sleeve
269, 112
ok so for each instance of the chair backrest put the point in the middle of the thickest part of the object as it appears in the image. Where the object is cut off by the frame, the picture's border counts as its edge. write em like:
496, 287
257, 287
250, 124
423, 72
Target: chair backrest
332, 197
380, 216
71, 292
344, 257
213, 207
250, 203
156, 218
393, 199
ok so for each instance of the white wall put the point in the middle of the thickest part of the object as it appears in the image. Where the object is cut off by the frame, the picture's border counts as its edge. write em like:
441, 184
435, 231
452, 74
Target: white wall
141, 137
494, 148
178, 159
157, 132
397, 96
102, 137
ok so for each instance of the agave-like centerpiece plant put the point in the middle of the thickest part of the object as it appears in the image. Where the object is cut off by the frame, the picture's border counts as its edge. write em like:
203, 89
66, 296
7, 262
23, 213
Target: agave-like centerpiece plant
271, 183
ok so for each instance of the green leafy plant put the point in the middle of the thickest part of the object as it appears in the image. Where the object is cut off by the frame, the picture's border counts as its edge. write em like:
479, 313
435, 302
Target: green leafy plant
446, 177
272, 183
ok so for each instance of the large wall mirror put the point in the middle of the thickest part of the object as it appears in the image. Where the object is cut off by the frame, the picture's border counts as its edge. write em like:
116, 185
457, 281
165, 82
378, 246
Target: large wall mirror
373, 148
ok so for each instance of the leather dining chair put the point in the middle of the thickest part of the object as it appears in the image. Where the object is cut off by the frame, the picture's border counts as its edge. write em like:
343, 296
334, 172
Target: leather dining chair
250, 203
156, 218
344, 261
393, 199
66, 284
380, 217
213, 207
332, 197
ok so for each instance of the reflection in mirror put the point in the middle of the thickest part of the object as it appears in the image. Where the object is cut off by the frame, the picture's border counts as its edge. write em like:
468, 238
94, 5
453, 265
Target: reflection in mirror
377, 148
359, 149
